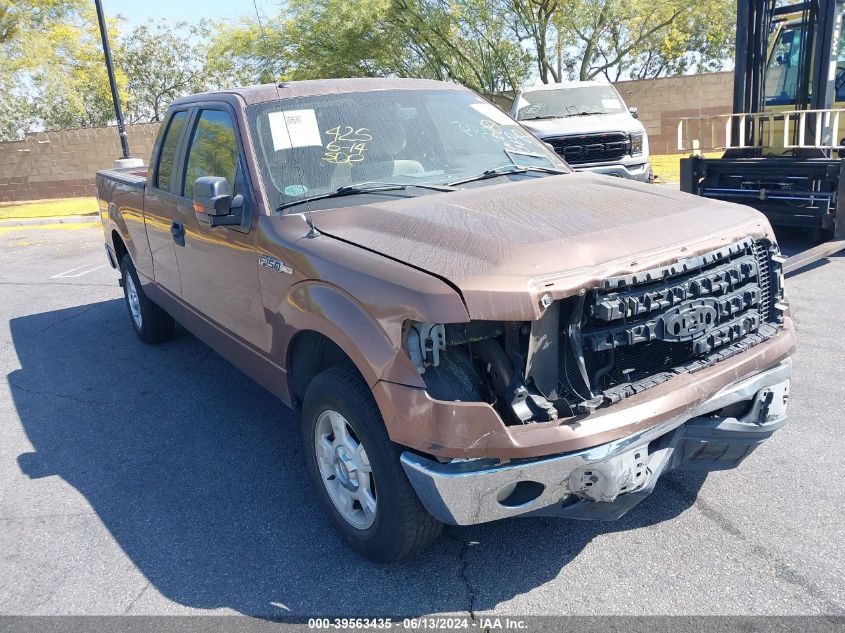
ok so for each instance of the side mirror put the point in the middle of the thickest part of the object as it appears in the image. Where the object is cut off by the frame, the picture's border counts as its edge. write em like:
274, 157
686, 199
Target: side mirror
550, 147
213, 202
634, 112
212, 196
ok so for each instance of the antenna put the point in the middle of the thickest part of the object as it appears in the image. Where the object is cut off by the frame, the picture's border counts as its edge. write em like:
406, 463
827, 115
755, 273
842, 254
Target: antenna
312, 230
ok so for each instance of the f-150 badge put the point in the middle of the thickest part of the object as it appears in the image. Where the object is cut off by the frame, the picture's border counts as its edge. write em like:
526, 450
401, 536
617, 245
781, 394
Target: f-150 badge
274, 264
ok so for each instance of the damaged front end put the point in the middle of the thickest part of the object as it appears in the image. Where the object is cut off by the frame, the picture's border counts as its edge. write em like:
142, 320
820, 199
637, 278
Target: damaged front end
624, 336
587, 353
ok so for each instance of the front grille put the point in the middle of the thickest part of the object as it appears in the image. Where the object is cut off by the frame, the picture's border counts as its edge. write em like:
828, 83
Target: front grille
591, 148
640, 330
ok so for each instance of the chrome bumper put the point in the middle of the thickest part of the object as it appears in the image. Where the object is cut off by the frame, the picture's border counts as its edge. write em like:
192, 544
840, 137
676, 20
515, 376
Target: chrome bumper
640, 171
604, 482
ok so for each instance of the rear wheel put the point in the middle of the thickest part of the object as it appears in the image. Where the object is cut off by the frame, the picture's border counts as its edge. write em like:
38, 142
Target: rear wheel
356, 472
150, 322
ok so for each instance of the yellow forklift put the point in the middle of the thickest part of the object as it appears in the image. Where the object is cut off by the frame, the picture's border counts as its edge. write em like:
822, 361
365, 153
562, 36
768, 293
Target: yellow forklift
784, 143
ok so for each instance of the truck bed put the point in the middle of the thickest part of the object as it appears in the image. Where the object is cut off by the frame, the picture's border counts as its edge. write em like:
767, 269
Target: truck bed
121, 197
133, 176
124, 187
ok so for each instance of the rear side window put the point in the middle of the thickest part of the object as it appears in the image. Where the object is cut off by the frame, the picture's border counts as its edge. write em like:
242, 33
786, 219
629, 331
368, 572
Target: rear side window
167, 155
214, 150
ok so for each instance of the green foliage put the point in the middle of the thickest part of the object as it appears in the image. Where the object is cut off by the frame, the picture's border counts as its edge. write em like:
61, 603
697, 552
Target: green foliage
635, 38
338, 38
161, 62
468, 42
249, 52
8, 22
52, 61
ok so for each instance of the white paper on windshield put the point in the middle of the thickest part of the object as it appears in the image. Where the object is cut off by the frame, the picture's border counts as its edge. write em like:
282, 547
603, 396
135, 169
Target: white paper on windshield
294, 128
492, 112
610, 103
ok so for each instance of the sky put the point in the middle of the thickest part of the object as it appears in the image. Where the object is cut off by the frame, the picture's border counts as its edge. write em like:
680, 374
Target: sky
139, 11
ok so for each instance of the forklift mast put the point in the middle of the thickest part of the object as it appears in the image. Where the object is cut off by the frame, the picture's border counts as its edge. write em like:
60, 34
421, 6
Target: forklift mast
816, 83
801, 182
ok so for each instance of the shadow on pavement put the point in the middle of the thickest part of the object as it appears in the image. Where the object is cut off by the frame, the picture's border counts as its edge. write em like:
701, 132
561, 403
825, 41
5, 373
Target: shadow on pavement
793, 241
195, 471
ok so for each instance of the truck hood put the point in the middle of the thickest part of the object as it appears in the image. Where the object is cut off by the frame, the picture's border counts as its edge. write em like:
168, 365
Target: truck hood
504, 246
616, 122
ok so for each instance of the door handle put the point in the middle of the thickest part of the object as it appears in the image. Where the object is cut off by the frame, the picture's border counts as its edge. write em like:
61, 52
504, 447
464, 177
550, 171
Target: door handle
177, 230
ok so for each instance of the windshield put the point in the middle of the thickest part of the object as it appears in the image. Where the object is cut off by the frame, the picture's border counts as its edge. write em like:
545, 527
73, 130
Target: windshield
783, 69
574, 101
310, 146
784, 66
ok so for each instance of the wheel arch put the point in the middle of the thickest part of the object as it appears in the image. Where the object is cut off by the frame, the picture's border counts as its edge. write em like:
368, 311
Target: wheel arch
119, 246
309, 354
330, 329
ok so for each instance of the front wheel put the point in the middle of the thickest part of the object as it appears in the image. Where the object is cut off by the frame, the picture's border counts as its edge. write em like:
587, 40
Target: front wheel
151, 323
356, 472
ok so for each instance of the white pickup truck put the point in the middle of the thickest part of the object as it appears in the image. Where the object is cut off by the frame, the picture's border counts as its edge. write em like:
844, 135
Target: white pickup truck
589, 125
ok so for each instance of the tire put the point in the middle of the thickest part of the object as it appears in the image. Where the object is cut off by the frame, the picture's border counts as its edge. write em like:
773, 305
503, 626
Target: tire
397, 526
150, 322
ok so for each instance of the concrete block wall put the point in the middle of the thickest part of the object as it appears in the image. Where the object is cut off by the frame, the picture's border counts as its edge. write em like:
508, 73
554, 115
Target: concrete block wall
62, 164
662, 102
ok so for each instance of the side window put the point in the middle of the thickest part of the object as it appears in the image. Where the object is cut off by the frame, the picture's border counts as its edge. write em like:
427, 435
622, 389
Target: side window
167, 155
214, 150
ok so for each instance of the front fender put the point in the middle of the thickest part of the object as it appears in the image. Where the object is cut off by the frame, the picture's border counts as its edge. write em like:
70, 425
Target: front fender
328, 310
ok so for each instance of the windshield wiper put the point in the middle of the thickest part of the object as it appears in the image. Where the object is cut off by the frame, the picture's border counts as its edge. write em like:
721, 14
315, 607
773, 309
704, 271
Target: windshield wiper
362, 188
543, 116
585, 113
505, 170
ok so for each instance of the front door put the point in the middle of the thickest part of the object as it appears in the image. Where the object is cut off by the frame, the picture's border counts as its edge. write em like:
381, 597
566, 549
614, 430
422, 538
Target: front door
219, 266
161, 197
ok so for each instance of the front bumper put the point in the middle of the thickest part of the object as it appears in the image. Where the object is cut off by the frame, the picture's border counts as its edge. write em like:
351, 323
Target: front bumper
634, 171
605, 481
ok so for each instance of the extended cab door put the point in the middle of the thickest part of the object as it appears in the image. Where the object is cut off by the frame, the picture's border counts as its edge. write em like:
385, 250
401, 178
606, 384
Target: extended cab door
161, 197
219, 265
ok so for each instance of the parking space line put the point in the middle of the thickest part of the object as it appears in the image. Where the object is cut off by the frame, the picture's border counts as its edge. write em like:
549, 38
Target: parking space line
49, 227
79, 271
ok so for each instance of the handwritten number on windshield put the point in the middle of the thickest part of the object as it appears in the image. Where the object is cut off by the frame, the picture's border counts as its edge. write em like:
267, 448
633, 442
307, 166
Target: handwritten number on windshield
510, 138
347, 144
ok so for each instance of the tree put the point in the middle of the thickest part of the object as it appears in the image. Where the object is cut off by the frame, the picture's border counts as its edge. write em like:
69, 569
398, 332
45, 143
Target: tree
254, 50
8, 22
311, 39
616, 38
161, 62
538, 23
48, 66
341, 38
70, 86
467, 42
647, 38
16, 115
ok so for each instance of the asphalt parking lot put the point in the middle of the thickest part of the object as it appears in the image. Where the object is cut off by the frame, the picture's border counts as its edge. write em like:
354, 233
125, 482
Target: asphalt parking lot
160, 480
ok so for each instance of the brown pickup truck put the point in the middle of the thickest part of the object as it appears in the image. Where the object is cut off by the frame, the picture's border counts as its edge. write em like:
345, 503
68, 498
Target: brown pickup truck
470, 330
